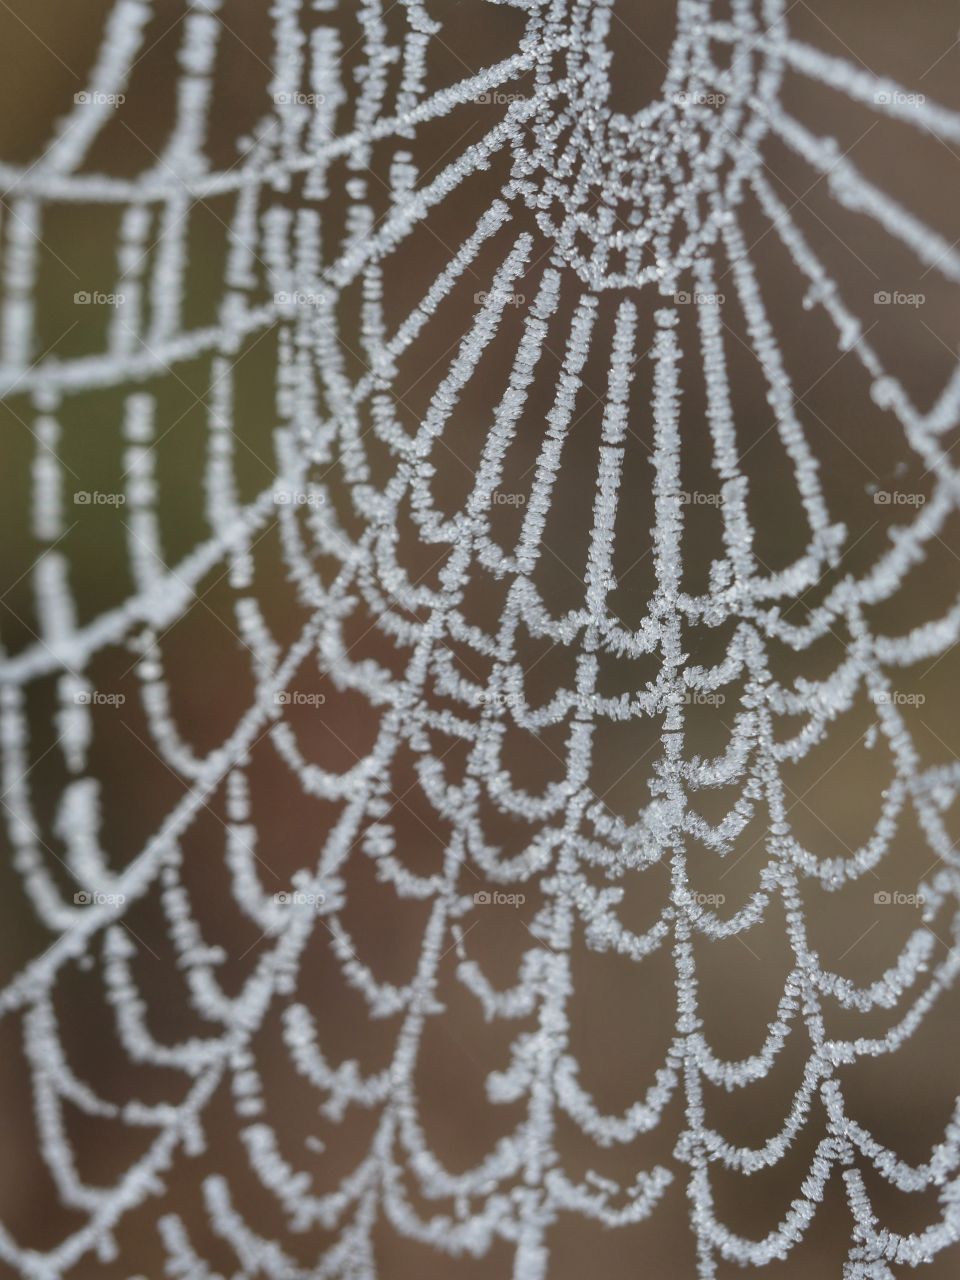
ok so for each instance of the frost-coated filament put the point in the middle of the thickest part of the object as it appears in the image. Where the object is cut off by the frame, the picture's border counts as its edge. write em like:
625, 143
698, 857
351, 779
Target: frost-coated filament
393, 560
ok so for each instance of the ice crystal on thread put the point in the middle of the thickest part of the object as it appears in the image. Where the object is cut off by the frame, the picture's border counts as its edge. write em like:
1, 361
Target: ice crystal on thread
595, 213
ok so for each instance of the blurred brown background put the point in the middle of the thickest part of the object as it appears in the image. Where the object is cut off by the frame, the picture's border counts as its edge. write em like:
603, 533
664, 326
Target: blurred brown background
623, 1015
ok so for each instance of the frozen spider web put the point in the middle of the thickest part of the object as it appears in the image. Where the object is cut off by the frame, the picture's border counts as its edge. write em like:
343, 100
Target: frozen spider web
591, 240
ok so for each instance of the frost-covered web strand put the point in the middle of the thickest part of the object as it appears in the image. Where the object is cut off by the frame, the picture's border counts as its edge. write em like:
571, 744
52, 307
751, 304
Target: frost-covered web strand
601, 224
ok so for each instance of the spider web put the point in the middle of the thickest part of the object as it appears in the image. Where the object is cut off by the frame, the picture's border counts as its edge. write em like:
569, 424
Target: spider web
606, 242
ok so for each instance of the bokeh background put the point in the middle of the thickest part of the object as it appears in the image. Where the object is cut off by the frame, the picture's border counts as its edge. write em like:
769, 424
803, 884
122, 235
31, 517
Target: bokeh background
623, 1014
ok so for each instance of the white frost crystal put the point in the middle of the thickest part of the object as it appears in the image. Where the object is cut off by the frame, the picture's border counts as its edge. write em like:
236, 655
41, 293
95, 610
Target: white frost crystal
590, 203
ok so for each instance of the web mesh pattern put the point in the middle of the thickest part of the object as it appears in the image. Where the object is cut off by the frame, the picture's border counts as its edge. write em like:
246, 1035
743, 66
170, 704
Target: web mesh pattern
602, 246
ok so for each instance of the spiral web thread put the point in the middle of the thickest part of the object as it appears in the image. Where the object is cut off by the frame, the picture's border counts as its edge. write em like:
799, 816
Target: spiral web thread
606, 217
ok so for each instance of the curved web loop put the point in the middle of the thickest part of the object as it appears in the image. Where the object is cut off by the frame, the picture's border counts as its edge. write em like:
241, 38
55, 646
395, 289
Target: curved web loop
605, 248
